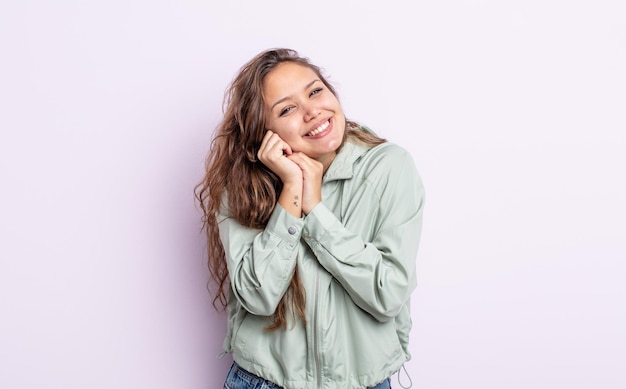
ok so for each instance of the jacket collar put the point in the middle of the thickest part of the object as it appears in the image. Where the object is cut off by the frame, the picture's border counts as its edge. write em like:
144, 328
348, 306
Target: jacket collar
342, 167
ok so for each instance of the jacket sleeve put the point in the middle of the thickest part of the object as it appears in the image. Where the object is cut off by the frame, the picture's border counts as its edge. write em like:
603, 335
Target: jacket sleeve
261, 262
377, 273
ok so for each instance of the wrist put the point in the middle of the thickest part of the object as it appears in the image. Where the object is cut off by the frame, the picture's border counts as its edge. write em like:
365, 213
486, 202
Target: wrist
291, 198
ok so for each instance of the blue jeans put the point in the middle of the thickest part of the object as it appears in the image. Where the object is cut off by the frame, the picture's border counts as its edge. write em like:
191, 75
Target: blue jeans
239, 378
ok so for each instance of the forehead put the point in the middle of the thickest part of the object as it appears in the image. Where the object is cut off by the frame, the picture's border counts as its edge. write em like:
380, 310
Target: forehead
287, 79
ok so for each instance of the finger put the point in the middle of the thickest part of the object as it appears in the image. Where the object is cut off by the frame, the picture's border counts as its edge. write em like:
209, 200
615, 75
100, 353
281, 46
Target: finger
307, 164
276, 145
286, 148
270, 145
303, 159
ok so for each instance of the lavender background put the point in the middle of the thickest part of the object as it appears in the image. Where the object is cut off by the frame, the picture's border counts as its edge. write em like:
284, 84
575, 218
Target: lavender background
514, 111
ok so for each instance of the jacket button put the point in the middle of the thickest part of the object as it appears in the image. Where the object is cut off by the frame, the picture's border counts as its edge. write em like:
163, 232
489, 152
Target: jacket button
292, 230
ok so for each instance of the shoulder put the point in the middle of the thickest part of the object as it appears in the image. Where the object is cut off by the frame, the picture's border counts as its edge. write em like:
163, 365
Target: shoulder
386, 156
389, 167
386, 160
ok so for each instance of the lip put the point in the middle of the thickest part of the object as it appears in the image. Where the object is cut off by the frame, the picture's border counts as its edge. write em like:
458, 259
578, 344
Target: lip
323, 133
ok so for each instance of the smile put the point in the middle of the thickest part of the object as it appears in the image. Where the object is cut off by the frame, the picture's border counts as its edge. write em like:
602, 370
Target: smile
319, 129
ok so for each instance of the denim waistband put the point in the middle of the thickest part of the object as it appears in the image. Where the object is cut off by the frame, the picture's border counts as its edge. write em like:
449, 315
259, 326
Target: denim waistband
238, 375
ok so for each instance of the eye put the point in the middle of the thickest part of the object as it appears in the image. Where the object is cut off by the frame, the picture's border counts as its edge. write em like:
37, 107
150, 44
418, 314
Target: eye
316, 91
285, 111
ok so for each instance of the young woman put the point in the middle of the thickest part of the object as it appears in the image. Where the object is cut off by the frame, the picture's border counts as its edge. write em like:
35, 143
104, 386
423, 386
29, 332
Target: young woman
313, 224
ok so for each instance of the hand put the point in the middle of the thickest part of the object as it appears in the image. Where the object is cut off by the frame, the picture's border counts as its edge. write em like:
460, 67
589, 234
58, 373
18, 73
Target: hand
312, 173
274, 154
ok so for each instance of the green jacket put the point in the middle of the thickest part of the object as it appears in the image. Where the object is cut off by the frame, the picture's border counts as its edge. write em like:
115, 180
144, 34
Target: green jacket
355, 253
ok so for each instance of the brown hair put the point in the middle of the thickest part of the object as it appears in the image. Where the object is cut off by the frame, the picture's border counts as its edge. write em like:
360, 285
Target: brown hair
252, 189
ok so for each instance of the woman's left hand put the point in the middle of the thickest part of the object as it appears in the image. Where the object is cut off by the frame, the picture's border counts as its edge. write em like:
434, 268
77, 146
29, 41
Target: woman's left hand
312, 172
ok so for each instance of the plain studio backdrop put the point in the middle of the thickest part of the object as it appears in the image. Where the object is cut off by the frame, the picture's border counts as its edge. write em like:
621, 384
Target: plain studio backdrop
515, 112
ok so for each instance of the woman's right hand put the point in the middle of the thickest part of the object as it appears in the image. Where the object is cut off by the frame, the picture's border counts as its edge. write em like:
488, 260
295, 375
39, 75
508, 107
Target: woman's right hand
273, 153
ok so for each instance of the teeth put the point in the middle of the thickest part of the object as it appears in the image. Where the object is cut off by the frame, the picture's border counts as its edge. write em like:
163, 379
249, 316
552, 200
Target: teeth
319, 129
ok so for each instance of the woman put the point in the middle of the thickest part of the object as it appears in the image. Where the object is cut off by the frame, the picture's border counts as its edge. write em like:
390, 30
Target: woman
313, 225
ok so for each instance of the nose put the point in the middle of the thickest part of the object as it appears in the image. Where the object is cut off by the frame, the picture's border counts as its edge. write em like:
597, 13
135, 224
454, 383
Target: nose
311, 111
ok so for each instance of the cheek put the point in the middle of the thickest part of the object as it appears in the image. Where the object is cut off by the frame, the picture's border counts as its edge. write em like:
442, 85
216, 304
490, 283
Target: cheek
334, 102
287, 130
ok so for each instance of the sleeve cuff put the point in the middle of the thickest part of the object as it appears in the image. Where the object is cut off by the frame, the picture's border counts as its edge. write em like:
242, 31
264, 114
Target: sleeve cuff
285, 225
318, 222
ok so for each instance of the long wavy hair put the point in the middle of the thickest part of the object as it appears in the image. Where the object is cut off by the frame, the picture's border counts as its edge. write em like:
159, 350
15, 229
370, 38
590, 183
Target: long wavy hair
233, 172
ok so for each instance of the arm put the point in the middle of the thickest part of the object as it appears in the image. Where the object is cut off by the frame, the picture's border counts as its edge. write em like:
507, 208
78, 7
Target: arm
377, 273
261, 262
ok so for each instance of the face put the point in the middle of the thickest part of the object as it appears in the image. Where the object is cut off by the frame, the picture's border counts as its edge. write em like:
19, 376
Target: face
303, 111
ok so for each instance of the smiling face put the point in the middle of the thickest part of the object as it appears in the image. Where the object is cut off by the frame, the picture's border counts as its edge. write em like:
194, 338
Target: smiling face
301, 109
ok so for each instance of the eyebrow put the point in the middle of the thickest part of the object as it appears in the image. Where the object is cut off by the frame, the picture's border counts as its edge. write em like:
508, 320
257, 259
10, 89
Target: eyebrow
307, 86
